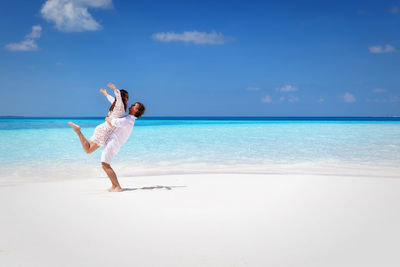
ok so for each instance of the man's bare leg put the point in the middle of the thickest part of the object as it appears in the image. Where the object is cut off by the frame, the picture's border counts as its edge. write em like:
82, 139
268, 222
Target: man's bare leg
113, 178
88, 146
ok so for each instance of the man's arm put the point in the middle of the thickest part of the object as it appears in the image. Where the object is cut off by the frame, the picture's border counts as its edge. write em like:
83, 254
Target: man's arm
108, 120
118, 122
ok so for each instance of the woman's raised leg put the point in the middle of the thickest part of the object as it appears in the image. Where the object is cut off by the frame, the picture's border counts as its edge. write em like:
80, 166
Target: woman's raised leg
88, 147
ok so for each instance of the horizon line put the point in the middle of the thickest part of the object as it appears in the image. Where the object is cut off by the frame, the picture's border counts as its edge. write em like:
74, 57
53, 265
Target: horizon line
215, 117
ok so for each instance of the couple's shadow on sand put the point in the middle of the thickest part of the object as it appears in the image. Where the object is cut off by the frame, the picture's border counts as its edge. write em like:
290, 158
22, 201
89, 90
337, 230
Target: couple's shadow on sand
157, 187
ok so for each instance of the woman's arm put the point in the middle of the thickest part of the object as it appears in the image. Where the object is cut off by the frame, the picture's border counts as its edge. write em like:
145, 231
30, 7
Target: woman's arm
112, 86
119, 103
104, 92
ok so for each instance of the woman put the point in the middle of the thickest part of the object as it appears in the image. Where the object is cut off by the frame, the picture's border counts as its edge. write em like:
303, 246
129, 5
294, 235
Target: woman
103, 131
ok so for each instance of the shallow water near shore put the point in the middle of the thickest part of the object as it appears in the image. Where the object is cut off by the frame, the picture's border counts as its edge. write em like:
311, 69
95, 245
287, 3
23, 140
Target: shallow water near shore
47, 148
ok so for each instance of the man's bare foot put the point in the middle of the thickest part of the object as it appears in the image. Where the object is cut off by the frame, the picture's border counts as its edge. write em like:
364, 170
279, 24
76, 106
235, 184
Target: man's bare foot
115, 189
74, 126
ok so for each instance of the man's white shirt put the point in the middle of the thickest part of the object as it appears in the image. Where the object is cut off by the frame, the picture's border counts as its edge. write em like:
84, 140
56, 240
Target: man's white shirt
123, 128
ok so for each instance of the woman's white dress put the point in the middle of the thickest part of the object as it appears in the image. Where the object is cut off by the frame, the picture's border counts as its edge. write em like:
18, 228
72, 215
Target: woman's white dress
103, 131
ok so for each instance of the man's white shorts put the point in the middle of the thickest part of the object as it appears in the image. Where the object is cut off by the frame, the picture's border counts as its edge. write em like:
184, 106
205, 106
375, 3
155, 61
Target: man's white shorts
109, 151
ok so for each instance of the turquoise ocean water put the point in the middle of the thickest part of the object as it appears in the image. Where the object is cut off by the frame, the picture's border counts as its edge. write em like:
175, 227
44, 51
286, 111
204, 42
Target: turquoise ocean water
37, 149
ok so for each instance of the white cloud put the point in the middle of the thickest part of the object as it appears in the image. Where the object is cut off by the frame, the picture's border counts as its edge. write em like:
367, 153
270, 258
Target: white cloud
391, 99
379, 49
252, 88
36, 32
25, 45
379, 90
291, 99
212, 38
287, 88
266, 99
394, 10
321, 100
73, 15
349, 98
29, 44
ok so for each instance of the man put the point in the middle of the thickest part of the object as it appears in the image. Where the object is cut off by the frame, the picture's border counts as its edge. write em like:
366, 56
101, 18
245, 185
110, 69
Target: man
123, 128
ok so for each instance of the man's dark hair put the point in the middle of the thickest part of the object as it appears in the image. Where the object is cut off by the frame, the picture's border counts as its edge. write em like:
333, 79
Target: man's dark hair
141, 110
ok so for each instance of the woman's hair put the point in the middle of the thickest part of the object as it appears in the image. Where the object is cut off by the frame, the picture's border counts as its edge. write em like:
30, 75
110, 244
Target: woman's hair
141, 110
124, 96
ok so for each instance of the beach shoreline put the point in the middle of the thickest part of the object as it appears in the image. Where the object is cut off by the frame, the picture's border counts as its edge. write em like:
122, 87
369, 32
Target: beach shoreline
203, 220
27, 173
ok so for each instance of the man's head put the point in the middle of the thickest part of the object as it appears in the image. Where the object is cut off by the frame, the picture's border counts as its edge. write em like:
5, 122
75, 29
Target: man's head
137, 109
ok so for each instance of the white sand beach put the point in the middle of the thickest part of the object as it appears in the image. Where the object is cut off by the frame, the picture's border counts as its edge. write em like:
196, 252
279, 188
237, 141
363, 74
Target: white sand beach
203, 220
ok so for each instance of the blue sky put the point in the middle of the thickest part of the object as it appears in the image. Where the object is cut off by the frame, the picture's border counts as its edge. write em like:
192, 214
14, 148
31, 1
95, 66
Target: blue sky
201, 58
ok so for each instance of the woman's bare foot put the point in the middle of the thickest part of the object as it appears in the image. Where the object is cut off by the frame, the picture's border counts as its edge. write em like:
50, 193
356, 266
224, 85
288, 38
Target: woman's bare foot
75, 127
